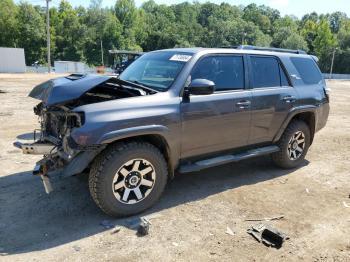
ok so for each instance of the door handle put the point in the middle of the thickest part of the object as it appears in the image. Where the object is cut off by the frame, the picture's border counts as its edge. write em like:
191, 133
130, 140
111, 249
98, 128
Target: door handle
289, 99
243, 104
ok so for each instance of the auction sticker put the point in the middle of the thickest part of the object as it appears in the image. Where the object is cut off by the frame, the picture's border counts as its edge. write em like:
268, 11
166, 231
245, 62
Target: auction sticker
180, 58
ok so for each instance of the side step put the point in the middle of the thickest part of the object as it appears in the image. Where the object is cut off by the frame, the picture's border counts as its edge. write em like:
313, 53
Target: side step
220, 160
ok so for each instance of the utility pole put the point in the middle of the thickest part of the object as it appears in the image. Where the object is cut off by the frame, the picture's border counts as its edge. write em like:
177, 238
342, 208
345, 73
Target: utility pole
48, 36
102, 53
330, 74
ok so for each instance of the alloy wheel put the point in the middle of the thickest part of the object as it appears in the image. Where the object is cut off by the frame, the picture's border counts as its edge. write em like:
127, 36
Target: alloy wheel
134, 181
296, 145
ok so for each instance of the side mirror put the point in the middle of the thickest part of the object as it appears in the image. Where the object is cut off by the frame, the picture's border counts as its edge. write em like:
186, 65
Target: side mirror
201, 87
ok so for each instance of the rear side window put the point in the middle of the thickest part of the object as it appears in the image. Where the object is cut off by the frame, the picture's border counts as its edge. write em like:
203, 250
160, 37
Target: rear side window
226, 71
267, 72
307, 70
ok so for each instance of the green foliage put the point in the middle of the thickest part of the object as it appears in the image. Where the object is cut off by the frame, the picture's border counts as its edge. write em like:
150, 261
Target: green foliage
294, 41
77, 33
32, 34
8, 23
344, 35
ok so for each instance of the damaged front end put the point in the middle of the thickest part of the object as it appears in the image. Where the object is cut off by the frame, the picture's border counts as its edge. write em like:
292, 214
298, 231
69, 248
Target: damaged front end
61, 154
59, 97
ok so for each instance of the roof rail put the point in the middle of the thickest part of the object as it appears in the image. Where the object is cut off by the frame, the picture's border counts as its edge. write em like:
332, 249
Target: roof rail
273, 49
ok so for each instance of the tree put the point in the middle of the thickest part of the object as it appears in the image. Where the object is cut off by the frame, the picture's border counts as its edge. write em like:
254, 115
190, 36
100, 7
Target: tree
344, 35
8, 23
324, 40
102, 26
295, 41
32, 37
70, 34
280, 35
335, 21
309, 33
128, 15
310, 17
324, 44
260, 16
77, 33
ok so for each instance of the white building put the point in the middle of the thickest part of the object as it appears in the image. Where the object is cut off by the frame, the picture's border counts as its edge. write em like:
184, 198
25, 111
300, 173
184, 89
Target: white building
12, 60
69, 67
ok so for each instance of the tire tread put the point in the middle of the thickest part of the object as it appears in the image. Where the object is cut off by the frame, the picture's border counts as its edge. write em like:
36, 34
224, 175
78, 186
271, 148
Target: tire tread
280, 158
96, 171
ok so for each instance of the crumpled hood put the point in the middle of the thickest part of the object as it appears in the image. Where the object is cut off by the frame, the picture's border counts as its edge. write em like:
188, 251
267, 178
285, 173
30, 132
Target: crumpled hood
64, 89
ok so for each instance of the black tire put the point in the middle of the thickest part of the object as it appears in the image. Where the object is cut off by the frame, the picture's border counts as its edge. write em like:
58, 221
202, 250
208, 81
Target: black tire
281, 158
109, 162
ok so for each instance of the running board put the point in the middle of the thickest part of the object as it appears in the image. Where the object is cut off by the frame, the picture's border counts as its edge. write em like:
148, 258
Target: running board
220, 160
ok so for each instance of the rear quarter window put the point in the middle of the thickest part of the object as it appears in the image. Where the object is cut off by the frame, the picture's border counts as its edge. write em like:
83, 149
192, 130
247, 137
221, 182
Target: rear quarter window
307, 69
267, 72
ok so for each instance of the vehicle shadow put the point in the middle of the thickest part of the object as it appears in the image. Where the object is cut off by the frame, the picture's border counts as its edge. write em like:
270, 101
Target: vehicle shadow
30, 220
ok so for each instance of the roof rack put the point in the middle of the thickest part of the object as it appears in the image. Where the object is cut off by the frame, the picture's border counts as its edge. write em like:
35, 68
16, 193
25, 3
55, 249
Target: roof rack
273, 49
125, 52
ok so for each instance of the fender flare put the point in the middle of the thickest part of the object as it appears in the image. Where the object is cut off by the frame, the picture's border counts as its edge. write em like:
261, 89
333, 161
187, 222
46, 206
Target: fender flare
113, 136
292, 113
159, 130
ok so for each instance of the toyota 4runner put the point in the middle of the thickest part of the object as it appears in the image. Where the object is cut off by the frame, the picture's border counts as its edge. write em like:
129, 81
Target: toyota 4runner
176, 110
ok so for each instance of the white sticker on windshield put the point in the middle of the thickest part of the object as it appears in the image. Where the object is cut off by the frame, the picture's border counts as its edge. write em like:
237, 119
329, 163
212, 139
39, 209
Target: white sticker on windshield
181, 58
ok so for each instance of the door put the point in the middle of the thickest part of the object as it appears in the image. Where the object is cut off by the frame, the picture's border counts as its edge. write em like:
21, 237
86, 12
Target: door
272, 97
219, 121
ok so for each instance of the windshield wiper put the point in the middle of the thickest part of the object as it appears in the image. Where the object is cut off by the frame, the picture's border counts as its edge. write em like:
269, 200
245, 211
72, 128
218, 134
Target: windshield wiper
140, 85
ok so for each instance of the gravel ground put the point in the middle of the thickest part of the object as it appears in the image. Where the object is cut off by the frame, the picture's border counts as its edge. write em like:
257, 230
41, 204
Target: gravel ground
191, 219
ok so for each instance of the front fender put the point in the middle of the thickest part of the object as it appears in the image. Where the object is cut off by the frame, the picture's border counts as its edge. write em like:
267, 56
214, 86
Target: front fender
132, 132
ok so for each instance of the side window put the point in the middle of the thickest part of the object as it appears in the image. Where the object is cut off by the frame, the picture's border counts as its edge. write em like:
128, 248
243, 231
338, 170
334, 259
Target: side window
307, 69
226, 71
267, 72
284, 80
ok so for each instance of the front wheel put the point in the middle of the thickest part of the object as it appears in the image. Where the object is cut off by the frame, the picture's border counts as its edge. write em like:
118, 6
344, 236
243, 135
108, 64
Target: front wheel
293, 145
128, 178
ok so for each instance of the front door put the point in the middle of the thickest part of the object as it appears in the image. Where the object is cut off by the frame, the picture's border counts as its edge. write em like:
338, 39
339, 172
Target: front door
220, 121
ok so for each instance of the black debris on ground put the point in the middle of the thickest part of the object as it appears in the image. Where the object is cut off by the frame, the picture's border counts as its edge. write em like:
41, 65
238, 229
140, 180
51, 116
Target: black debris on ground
143, 228
268, 235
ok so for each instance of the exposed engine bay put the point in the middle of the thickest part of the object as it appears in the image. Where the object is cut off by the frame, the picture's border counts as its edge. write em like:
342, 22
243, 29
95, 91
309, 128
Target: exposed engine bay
109, 90
57, 119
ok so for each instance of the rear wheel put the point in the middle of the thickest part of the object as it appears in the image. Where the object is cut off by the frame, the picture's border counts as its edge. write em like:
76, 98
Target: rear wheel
294, 145
128, 178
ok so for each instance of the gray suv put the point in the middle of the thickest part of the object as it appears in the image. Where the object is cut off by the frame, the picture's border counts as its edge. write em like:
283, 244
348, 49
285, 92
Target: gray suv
177, 110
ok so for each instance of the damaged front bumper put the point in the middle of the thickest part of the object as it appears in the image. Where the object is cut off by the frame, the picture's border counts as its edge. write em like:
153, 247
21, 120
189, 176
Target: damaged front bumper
39, 148
36, 148
56, 161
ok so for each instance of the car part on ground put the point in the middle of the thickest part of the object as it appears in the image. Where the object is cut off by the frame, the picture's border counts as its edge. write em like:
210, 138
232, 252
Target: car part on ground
143, 228
268, 235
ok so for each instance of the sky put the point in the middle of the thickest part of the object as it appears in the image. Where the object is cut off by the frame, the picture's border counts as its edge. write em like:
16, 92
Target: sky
286, 7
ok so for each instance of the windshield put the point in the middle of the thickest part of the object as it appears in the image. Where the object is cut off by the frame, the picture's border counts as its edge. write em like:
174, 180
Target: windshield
156, 70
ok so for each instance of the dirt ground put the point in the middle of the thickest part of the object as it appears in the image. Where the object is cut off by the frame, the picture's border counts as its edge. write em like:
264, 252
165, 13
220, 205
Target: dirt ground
196, 209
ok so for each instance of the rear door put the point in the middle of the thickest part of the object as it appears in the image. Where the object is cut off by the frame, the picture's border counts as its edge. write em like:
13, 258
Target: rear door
219, 121
273, 97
